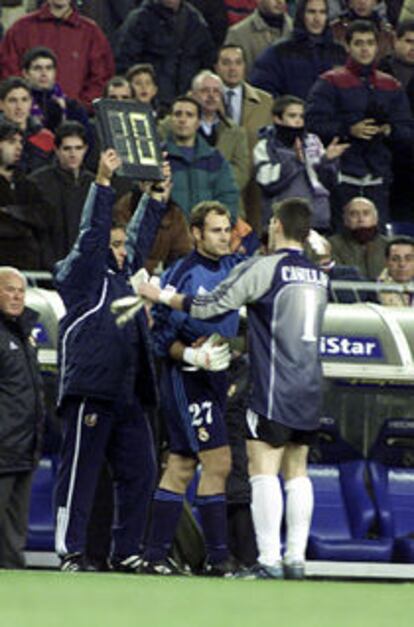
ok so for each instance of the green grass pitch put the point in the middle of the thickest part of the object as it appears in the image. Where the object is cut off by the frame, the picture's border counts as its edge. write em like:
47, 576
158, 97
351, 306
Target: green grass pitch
53, 599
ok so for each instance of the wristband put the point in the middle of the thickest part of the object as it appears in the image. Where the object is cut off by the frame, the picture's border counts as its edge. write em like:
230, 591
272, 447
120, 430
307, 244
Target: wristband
166, 295
189, 356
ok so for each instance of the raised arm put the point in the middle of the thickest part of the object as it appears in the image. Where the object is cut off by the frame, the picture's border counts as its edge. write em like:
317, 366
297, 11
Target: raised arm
84, 267
145, 222
247, 282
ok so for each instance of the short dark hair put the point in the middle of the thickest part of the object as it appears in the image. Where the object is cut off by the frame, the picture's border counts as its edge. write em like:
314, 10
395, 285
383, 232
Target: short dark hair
9, 130
190, 99
71, 128
229, 46
116, 81
202, 209
406, 26
283, 102
116, 224
406, 240
13, 82
141, 68
36, 53
361, 26
299, 19
295, 215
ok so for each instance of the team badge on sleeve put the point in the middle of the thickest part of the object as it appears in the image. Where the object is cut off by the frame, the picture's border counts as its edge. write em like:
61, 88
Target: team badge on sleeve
91, 420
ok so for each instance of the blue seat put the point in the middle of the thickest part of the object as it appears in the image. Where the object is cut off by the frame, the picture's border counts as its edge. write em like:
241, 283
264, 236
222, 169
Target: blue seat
391, 467
344, 514
400, 228
41, 530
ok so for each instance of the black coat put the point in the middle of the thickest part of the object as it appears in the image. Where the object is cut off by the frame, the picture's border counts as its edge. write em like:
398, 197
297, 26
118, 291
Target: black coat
26, 225
292, 66
21, 395
178, 45
65, 196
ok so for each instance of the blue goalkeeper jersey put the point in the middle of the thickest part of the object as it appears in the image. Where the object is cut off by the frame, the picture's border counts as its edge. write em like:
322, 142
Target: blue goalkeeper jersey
194, 274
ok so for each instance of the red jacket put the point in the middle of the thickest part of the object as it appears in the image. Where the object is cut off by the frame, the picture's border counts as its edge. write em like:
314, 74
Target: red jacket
85, 60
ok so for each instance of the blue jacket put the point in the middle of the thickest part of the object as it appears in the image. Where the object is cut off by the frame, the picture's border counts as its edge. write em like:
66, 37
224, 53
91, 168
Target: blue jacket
293, 65
96, 358
206, 175
344, 96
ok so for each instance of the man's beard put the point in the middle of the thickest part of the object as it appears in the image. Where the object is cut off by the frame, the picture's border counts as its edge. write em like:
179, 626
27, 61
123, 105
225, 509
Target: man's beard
364, 234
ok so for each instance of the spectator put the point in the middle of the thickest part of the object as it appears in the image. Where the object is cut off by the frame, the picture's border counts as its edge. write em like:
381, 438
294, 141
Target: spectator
173, 239
251, 108
26, 224
238, 10
292, 66
400, 61
375, 119
291, 162
173, 36
143, 81
50, 107
268, 23
365, 10
399, 268
109, 14
360, 244
85, 60
219, 130
319, 250
16, 104
407, 11
22, 415
400, 64
215, 14
118, 88
200, 172
106, 376
65, 184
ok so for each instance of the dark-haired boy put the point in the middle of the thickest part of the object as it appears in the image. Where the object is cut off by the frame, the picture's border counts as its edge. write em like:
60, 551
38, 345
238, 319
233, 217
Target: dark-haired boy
64, 185
371, 111
50, 106
291, 162
15, 105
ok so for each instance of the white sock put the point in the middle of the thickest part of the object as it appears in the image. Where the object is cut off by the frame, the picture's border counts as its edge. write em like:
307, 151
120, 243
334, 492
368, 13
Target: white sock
299, 508
267, 507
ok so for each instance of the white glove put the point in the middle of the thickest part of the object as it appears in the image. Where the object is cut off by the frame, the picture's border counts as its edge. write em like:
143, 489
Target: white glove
138, 278
318, 243
124, 309
208, 356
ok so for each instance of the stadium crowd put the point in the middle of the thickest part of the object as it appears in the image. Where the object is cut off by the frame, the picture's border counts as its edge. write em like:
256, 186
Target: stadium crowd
275, 117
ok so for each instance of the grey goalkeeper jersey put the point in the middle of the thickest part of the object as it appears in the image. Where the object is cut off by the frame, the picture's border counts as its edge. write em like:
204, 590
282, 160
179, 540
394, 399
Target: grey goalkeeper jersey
286, 297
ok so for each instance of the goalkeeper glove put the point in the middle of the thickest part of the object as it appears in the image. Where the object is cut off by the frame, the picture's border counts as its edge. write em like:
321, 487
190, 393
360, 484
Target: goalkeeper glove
209, 356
